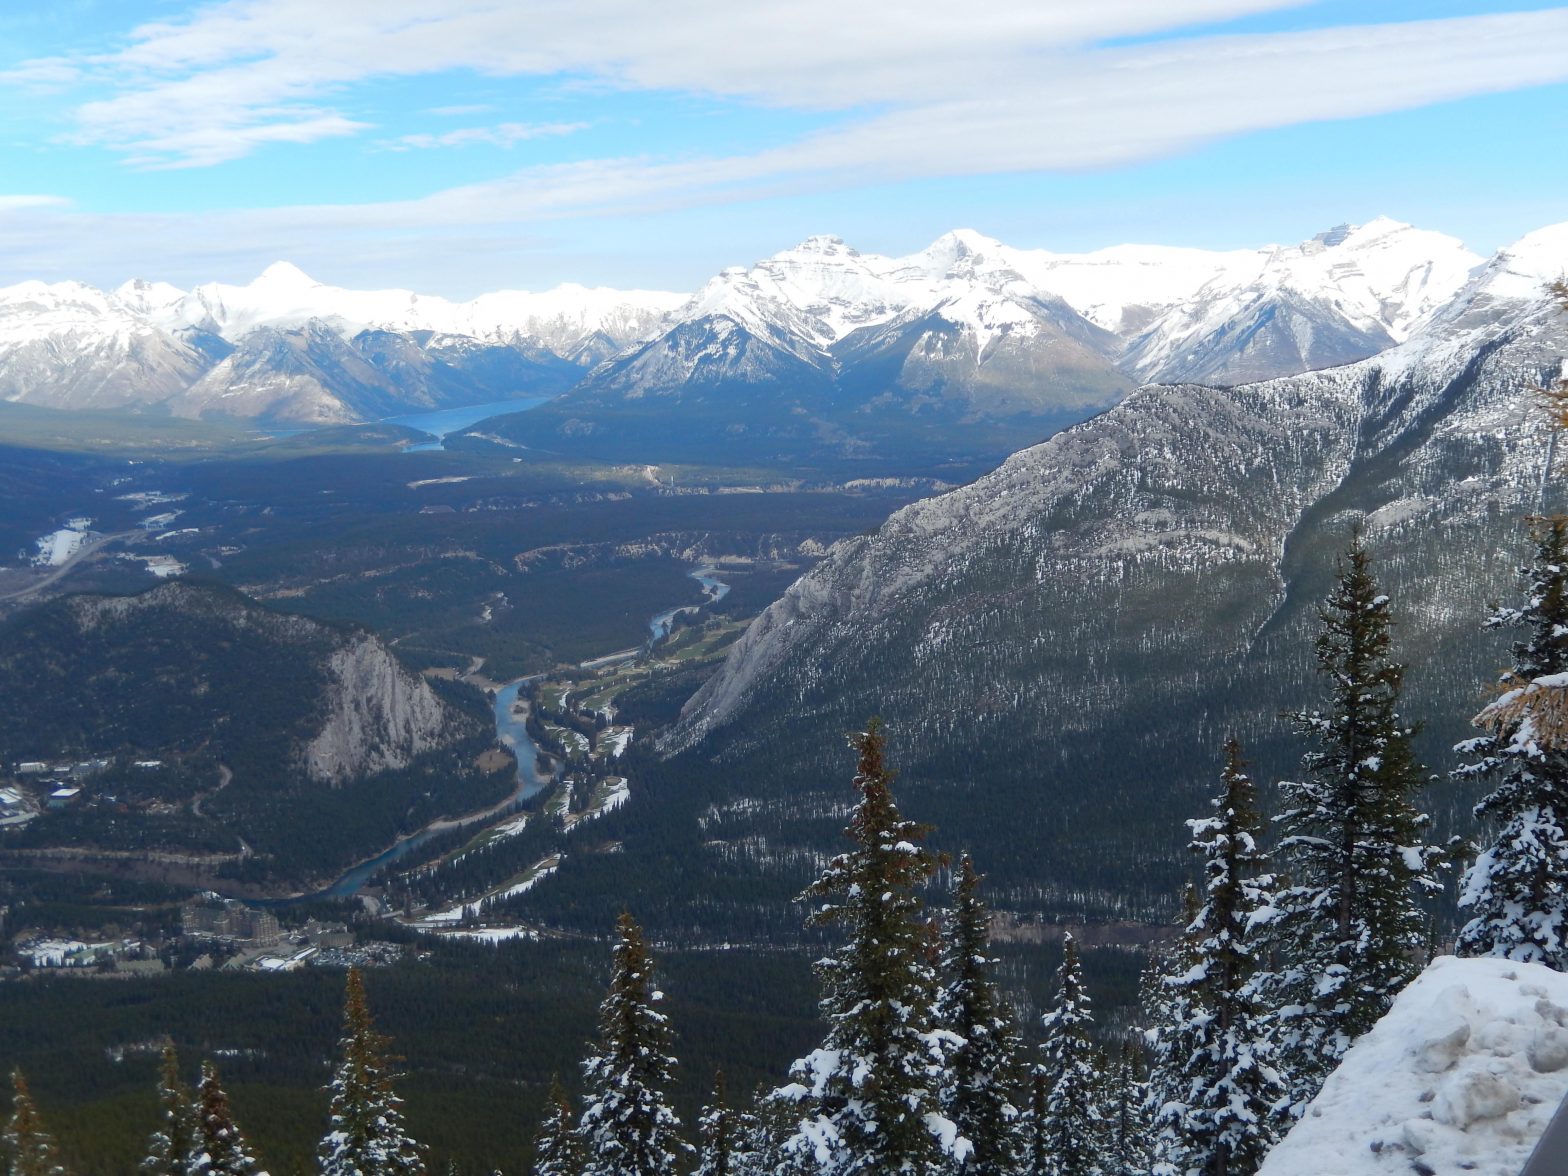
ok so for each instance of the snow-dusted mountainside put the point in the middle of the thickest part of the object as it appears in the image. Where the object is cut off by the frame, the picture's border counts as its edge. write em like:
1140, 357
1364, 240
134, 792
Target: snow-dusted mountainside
288, 349
1054, 627
67, 345
1462, 1074
967, 345
1345, 295
970, 332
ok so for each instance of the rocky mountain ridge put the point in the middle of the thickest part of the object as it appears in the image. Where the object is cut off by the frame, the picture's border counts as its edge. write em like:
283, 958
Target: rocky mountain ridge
1059, 647
819, 338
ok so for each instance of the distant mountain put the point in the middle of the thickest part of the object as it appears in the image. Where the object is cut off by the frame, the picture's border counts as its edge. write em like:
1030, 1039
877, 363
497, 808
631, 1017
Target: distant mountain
287, 349
968, 348
69, 346
973, 346
1059, 648
308, 744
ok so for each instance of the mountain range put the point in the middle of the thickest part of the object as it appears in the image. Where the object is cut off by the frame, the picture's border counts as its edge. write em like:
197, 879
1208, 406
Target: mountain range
967, 343
1060, 647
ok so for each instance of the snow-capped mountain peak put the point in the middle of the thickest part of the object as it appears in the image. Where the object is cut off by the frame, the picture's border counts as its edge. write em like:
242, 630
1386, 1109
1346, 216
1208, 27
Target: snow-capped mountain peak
283, 274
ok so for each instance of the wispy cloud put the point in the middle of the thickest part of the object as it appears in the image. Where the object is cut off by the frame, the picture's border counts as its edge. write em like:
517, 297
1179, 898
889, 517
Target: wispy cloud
20, 202
927, 89
241, 66
460, 111
507, 134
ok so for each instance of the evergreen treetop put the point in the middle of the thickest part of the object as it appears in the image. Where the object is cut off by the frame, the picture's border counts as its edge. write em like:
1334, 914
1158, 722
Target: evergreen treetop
1072, 1130
1350, 925
627, 1127
365, 1136
170, 1146
219, 1148
1220, 1091
30, 1149
557, 1151
870, 1093
1517, 889
981, 1078
721, 1146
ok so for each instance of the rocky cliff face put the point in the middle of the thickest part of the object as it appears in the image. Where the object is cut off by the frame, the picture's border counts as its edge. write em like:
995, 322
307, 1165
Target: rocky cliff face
379, 715
288, 748
349, 710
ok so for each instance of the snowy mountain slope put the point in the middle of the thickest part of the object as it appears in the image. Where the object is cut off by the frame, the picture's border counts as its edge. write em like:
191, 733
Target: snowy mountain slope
1461, 1075
971, 330
1080, 628
211, 349
1345, 295
308, 375
68, 345
563, 320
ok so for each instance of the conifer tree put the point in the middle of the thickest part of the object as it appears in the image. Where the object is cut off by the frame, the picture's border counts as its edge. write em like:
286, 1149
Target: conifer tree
1220, 1089
1038, 1124
557, 1151
1517, 889
29, 1148
1349, 925
627, 1126
1125, 1103
1072, 1129
870, 1094
365, 1136
722, 1136
219, 1148
170, 1146
767, 1131
980, 1079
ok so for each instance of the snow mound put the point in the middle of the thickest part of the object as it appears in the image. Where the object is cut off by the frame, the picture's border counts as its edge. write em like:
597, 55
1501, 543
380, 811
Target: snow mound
1462, 1075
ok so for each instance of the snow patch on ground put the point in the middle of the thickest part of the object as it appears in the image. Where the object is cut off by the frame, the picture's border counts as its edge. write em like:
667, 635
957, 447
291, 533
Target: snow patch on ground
1462, 1075
59, 546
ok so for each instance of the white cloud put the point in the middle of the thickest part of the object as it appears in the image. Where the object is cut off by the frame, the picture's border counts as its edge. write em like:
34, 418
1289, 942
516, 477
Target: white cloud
21, 202
1020, 88
43, 74
245, 64
507, 134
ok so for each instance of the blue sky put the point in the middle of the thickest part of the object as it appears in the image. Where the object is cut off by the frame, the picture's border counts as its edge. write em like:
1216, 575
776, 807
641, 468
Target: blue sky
475, 144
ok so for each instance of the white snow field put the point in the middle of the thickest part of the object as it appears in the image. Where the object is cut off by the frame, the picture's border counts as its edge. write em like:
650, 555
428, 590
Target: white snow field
1461, 1076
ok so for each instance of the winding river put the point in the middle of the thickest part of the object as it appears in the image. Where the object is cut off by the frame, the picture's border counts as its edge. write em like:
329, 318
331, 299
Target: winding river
713, 588
509, 729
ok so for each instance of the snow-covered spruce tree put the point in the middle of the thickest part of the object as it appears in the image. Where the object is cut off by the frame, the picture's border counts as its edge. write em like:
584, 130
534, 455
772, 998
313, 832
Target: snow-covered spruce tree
29, 1149
1072, 1127
1517, 890
981, 1077
218, 1149
1127, 1133
1037, 1161
1349, 925
557, 1151
170, 1145
365, 1133
627, 1126
1221, 1092
868, 1098
723, 1136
